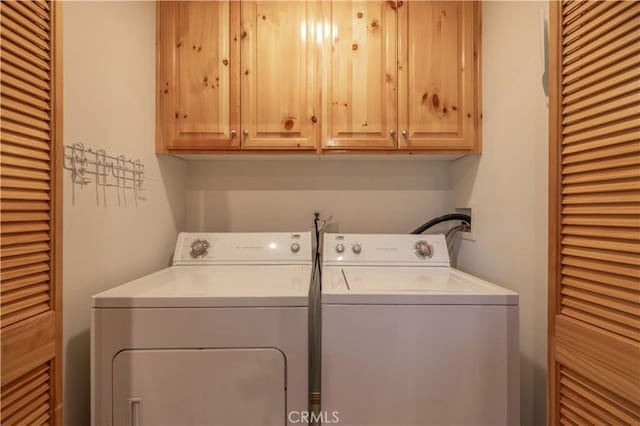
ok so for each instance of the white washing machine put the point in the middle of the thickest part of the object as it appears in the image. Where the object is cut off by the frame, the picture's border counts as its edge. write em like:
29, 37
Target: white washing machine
408, 340
219, 338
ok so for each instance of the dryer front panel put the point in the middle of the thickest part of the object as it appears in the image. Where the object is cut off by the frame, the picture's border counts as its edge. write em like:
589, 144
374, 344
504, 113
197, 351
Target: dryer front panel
190, 387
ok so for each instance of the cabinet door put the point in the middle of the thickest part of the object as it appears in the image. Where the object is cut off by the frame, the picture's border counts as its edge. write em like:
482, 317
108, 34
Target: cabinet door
198, 75
360, 98
438, 78
280, 94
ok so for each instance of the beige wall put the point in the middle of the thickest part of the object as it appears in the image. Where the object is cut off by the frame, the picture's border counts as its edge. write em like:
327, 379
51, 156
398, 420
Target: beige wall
109, 98
507, 186
386, 196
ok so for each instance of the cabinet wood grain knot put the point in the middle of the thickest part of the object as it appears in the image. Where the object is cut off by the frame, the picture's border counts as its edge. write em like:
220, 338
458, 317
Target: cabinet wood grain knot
288, 123
354, 46
374, 24
314, 119
435, 100
360, 15
225, 62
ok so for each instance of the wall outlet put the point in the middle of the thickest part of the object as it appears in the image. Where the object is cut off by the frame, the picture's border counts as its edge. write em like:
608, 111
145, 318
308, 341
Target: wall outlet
469, 236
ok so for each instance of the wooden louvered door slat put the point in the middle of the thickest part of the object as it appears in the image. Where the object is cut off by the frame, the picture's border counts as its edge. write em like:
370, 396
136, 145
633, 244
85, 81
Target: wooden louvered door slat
594, 223
30, 213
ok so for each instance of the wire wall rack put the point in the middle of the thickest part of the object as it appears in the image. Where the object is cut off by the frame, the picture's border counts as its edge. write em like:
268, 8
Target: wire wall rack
89, 165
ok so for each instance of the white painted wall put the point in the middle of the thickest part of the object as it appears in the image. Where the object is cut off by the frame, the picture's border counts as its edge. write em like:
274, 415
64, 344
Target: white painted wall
507, 186
109, 102
382, 196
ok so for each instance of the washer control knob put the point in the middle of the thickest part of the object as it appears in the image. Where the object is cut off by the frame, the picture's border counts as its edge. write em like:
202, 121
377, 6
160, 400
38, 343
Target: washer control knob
423, 249
357, 248
340, 248
295, 247
199, 248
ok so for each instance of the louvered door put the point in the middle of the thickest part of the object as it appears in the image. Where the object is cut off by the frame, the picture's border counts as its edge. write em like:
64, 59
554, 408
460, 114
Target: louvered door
30, 213
594, 292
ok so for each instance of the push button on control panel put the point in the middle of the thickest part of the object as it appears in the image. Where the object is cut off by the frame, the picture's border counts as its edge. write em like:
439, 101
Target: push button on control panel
295, 247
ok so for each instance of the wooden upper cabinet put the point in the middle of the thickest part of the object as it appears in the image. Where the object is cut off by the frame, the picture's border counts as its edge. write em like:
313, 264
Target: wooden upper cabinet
198, 75
438, 73
280, 93
318, 76
359, 85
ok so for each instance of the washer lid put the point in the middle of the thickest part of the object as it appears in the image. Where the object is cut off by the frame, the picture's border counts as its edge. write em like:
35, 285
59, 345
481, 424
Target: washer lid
410, 286
213, 286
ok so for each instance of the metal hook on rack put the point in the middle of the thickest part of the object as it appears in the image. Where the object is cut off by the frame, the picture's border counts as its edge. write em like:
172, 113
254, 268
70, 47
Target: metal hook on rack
78, 165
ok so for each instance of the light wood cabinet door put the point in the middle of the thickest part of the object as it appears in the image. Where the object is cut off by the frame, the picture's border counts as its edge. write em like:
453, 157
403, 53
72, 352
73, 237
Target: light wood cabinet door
198, 75
359, 83
280, 93
438, 105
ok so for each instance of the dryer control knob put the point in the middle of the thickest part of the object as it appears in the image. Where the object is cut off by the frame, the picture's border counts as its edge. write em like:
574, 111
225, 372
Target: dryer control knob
199, 248
423, 249
357, 248
295, 247
340, 248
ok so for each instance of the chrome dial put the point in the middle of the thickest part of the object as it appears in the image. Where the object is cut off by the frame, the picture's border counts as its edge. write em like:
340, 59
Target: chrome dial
295, 247
423, 249
199, 248
340, 248
357, 248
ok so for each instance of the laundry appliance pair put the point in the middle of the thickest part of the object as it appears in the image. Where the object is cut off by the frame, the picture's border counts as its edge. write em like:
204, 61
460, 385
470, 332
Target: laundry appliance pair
221, 337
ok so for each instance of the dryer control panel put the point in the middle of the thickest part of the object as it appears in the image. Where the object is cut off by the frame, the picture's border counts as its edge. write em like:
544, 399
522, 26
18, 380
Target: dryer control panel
208, 248
385, 249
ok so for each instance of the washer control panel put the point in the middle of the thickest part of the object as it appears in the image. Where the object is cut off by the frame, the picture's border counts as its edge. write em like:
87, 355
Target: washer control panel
203, 248
386, 249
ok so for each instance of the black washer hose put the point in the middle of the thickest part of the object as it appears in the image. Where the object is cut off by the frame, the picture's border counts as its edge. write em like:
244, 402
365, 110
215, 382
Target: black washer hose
444, 218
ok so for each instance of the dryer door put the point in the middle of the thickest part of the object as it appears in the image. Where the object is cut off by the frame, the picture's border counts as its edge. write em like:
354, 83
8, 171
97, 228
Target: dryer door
189, 387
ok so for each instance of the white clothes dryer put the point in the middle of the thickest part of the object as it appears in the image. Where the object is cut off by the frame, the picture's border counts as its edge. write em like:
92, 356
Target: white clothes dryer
219, 338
